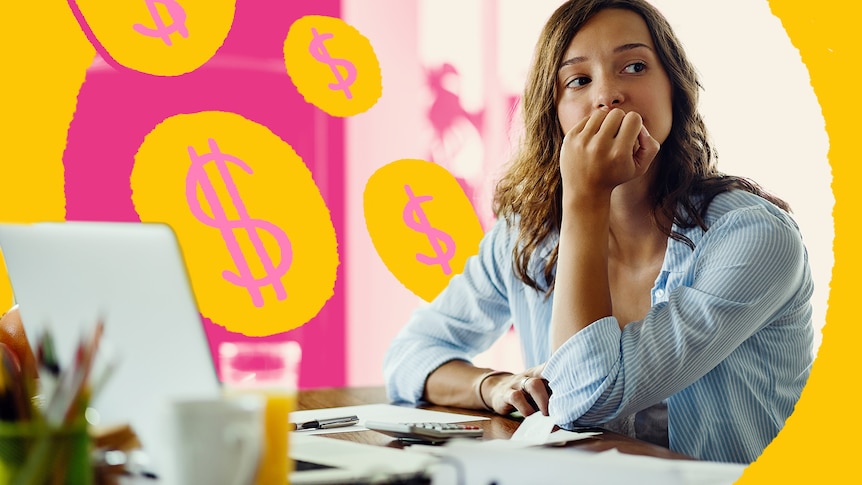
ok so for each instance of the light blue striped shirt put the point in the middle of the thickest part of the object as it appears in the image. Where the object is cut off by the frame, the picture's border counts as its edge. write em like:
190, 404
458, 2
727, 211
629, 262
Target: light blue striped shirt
727, 343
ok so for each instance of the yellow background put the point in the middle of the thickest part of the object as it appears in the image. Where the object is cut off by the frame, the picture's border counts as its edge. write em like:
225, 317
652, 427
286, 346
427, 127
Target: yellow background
46, 55
820, 440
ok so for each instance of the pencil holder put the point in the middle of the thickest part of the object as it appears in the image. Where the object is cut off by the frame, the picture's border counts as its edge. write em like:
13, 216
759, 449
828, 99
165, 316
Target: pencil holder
33, 453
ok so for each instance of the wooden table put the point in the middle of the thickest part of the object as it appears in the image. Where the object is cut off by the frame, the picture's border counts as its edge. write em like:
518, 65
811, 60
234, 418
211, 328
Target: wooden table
498, 427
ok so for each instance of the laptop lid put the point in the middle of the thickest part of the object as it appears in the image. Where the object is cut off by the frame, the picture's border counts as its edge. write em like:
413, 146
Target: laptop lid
67, 275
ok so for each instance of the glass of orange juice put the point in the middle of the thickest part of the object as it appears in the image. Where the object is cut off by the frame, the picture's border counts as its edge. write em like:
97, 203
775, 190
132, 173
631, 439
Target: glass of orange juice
270, 369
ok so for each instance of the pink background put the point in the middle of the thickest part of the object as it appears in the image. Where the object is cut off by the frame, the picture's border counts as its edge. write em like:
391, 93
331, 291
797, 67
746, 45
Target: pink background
117, 107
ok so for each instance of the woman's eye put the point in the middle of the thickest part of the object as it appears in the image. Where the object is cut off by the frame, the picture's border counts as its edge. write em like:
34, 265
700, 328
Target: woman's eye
578, 81
635, 67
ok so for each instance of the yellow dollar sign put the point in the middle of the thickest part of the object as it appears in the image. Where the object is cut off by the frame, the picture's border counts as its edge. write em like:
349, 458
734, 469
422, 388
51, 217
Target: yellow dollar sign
159, 37
332, 65
421, 223
254, 229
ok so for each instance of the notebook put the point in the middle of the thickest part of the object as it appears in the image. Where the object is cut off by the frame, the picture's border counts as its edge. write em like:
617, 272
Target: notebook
66, 275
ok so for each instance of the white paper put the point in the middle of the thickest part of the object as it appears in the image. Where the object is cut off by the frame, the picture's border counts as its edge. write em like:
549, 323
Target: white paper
537, 430
475, 462
689, 471
389, 413
534, 429
352, 462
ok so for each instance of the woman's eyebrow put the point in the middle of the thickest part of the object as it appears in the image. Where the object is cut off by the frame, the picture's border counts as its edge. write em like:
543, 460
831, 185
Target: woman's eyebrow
628, 47
617, 50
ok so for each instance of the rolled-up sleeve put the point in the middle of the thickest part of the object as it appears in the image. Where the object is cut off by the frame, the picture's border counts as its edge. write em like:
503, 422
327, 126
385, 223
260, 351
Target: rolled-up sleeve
747, 271
578, 387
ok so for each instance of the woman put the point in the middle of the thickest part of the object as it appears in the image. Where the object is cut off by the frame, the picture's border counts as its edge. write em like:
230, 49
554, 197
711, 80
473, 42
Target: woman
653, 295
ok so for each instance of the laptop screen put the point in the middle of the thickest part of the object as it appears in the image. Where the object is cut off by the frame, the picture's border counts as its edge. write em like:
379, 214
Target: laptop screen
67, 275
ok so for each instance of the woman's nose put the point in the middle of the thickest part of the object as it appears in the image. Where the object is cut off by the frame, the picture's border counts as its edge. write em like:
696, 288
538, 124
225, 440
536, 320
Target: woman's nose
608, 96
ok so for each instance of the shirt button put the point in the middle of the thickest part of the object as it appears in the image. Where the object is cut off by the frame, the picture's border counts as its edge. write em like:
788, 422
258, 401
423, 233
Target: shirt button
659, 293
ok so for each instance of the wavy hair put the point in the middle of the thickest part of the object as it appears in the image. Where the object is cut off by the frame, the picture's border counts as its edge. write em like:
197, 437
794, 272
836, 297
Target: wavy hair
686, 180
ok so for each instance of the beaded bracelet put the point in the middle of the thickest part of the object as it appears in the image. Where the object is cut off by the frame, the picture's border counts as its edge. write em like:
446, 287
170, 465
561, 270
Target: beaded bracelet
482, 380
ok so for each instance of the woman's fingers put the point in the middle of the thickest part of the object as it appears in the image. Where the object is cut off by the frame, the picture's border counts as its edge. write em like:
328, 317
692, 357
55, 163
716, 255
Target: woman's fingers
536, 391
540, 390
530, 394
519, 400
591, 124
629, 128
606, 149
526, 392
612, 124
647, 149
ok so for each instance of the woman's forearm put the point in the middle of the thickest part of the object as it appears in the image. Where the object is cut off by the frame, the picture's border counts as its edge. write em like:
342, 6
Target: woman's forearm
581, 290
455, 384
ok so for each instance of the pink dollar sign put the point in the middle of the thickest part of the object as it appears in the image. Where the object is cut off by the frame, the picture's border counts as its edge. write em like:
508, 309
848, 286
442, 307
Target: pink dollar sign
319, 52
419, 223
197, 176
178, 21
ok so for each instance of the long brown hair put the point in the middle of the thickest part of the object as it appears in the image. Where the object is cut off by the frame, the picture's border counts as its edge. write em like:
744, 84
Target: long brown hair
687, 178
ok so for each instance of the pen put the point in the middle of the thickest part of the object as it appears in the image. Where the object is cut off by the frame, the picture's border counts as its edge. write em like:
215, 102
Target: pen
325, 423
46, 354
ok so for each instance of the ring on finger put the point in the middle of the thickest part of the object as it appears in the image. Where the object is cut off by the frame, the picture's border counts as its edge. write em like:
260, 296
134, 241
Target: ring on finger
524, 383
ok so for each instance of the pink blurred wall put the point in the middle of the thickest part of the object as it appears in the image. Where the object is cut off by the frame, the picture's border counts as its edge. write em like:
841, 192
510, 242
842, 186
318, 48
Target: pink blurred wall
410, 37
377, 303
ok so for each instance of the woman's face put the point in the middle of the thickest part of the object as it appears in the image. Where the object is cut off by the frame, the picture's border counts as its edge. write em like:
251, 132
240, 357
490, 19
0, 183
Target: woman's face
612, 63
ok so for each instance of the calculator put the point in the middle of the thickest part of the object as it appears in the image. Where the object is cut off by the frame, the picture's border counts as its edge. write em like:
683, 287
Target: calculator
425, 431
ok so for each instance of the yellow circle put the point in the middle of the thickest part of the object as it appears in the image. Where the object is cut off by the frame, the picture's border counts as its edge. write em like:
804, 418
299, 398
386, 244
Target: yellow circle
255, 232
421, 223
160, 37
332, 65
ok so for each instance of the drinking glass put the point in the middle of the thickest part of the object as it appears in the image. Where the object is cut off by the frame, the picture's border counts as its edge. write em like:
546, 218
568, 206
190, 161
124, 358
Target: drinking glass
269, 369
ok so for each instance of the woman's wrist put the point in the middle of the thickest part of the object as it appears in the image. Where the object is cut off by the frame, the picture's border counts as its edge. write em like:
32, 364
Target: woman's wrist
481, 381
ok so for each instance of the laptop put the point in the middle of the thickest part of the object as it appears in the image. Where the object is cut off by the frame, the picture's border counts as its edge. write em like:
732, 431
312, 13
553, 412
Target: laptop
67, 275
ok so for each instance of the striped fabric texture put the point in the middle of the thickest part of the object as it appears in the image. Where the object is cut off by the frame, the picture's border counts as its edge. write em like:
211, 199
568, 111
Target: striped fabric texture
727, 343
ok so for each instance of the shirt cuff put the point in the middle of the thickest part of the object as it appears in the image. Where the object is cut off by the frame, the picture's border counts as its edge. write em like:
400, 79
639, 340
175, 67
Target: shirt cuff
582, 369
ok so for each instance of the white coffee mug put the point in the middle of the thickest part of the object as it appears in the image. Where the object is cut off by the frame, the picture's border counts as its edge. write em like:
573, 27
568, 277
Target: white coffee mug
217, 441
